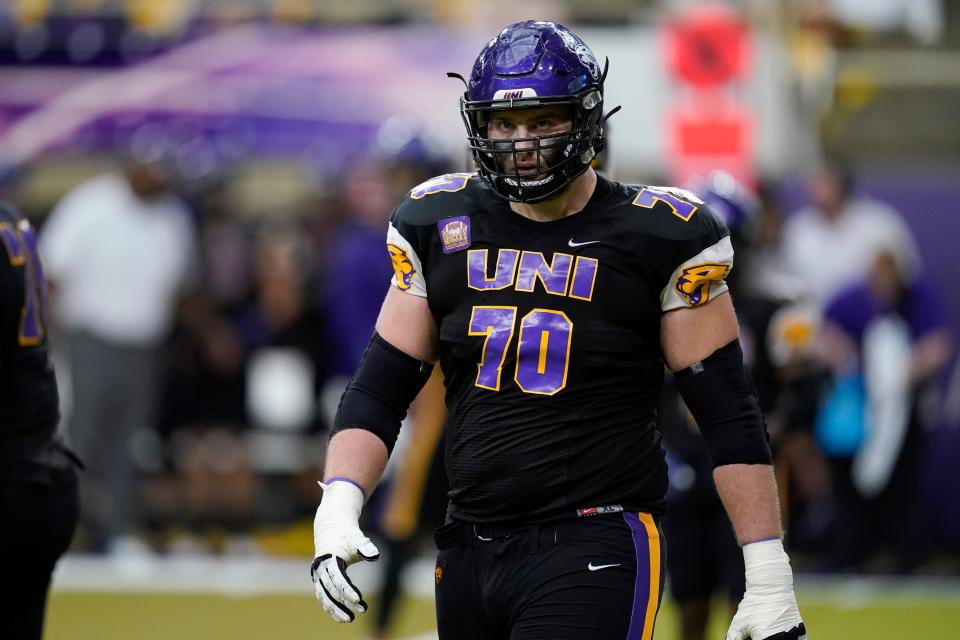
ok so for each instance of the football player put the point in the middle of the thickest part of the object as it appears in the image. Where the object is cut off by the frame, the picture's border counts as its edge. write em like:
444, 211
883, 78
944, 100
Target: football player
551, 298
38, 484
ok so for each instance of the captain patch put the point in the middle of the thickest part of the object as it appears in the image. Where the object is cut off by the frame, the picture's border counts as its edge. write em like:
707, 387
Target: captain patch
455, 233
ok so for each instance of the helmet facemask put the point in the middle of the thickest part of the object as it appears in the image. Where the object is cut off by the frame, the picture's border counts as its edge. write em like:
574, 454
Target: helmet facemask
559, 157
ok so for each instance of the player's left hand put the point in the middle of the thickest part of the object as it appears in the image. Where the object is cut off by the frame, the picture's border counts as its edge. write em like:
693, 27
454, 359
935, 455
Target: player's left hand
769, 609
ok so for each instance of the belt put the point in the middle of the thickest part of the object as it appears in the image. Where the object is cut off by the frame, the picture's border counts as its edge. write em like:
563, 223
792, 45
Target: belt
458, 532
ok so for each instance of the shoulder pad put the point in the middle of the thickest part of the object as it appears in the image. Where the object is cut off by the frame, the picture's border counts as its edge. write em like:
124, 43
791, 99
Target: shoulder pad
676, 213
447, 183
430, 201
680, 202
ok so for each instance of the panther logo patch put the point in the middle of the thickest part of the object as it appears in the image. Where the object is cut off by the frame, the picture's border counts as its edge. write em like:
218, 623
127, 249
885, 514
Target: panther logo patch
693, 283
438, 570
401, 266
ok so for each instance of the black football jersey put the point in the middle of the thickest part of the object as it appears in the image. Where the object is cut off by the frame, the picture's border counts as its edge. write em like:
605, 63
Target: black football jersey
549, 338
28, 391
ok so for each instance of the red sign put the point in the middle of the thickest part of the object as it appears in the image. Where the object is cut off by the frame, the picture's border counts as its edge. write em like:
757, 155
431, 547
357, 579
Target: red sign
708, 47
704, 140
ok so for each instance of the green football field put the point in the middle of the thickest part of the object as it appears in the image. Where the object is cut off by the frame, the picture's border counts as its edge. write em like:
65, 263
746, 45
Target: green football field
830, 615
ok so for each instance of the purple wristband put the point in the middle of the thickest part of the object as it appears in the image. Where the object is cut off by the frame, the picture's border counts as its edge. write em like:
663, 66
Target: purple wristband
348, 480
751, 541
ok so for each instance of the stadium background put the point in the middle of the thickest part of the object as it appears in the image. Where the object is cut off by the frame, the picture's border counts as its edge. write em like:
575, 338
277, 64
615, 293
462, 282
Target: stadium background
281, 115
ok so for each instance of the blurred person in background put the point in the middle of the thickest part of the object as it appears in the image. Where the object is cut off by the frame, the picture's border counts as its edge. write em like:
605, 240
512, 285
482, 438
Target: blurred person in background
355, 264
832, 243
706, 561
119, 253
290, 349
237, 413
237, 430
411, 500
769, 271
886, 338
202, 404
402, 157
557, 476
38, 480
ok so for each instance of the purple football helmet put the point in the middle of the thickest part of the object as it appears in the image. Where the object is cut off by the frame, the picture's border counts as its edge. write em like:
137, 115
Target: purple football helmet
535, 64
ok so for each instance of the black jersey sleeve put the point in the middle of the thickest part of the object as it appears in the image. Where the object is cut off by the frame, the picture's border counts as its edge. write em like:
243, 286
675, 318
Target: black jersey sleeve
11, 288
29, 405
9, 308
420, 221
691, 250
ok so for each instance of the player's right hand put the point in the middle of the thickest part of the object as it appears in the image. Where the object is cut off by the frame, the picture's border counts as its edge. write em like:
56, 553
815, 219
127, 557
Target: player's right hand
338, 542
768, 610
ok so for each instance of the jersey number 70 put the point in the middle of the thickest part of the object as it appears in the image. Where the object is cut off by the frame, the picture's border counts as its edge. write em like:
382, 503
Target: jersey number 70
543, 348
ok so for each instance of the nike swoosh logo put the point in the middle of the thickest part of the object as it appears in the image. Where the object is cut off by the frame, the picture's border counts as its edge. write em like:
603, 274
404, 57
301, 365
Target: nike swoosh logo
571, 243
597, 567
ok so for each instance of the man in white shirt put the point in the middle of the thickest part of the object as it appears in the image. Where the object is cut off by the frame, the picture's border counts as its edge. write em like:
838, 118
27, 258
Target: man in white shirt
118, 251
832, 243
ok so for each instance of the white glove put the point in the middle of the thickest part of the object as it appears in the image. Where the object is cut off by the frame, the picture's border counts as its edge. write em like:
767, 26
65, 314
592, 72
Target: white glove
338, 543
768, 610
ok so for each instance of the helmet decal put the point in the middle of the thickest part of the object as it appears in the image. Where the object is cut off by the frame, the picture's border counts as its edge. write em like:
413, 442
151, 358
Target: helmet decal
582, 51
515, 94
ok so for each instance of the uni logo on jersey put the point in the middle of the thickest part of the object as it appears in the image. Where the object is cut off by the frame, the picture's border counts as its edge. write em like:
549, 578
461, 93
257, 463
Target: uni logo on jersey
401, 266
694, 282
455, 233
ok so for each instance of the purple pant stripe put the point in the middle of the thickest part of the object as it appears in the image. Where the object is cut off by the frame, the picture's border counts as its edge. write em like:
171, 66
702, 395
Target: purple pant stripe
641, 588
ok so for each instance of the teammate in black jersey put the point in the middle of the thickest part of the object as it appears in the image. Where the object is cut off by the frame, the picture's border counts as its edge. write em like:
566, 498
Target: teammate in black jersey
38, 494
552, 298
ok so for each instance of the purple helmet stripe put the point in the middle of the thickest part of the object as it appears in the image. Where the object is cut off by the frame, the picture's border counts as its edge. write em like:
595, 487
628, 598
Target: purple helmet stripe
646, 594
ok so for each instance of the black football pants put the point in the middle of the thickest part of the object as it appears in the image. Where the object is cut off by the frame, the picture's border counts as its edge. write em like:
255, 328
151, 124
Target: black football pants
592, 578
38, 521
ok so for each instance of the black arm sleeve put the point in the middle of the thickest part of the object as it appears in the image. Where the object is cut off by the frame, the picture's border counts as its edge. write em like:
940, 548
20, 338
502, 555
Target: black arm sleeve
720, 394
378, 396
